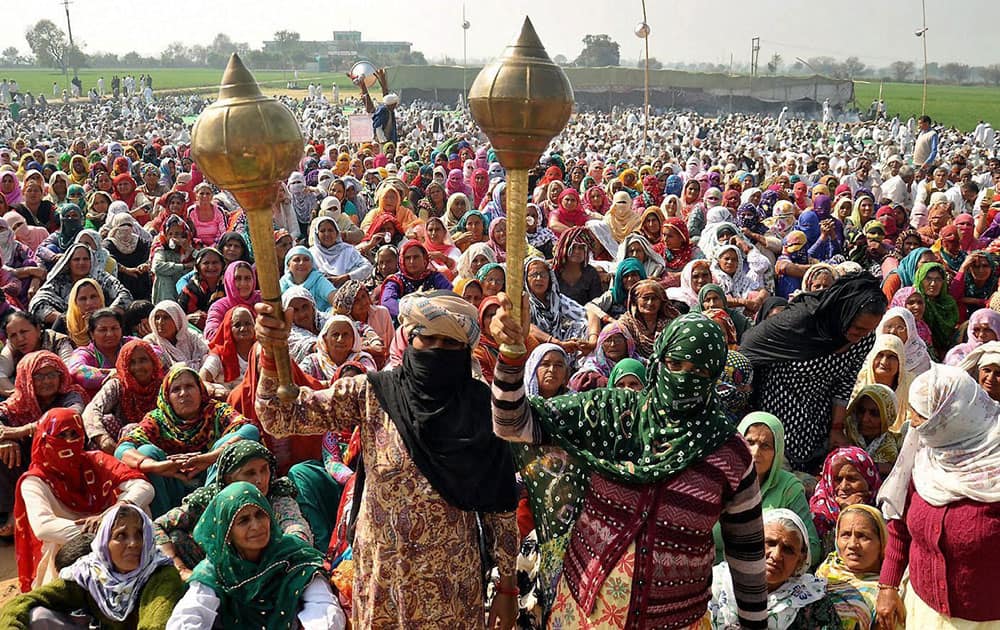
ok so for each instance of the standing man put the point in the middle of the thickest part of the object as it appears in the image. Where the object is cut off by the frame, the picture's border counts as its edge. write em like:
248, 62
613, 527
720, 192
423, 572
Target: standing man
439, 485
100, 87
383, 116
925, 151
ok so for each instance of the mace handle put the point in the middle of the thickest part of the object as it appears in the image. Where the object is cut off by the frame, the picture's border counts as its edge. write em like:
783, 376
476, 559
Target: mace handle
517, 210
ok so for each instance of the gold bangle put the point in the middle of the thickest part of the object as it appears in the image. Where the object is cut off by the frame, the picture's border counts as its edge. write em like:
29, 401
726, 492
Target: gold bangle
887, 587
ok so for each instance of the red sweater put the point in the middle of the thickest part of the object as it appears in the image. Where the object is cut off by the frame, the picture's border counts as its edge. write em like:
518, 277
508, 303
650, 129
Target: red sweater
953, 552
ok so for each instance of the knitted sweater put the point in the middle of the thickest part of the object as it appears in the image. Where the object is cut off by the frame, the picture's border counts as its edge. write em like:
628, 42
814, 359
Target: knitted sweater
159, 595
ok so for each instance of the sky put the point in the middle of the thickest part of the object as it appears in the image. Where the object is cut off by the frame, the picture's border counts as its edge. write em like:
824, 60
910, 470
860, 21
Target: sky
877, 31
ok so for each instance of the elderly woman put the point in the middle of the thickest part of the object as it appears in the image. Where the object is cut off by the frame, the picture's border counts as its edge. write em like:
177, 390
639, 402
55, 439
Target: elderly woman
941, 502
353, 300
124, 582
871, 424
613, 345
177, 341
253, 574
739, 270
125, 397
555, 318
632, 461
229, 352
984, 326
852, 571
815, 348
339, 342
25, 333
983, 365
186, 424
638, 246
900, 322
849, 476
648, 313
64, 492
335, 259
779, 488
51, 301
19, 260
244, 460
240, 281
795, 599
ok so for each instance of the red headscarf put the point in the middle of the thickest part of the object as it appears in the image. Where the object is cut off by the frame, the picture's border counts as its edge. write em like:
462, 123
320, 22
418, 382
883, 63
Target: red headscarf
552, 174
119, 166
799, 191
823, 504
570, 218
651, 186
136, 399
966, 226
604, 205
287, 450
224, 346
479, 192
887, 217
22, 406
128, 198
731, 199
677, 258
85, 482
379, 223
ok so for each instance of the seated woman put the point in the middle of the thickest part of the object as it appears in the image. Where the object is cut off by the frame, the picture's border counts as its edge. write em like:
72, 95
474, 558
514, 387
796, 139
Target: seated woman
693, 277
339, 342
64, 492
492, 278
131, 253
51, 301
819, 277
638, 246
443, 253
555, 318
301, 271
93, 363
886, 365
849, 476
337, 260
252, 573
177, 341
578, 279
26, 333
871, 424
984, 326
470, 230
306, 322
610, 305
124, 582
59, 242
188, 425
713, 296
940, 309
84, 298
900, 322
649, 313
228, 353
628, 374
779, 488
743, 282
353, 300
613, 345
234, 247
415, 274
983, 364
852, 571
240, 281
913, 301
244, 460
19, 260
125, 397
547, 371
197, 293
795, 599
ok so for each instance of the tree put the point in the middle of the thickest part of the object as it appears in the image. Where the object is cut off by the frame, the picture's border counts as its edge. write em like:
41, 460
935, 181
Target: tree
598, 50
560, 60
286, 37
775, 64
49, 44
10, 56
853, 67
902, 70
956, 72
654, 64
991, 74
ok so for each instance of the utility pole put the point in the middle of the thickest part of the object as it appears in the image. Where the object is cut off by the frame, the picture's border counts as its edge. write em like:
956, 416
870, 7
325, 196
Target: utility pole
465, 54
644, 31
69, 29
923, 101
754, 54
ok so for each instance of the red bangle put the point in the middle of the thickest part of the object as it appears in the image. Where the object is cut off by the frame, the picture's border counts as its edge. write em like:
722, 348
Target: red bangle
504, 591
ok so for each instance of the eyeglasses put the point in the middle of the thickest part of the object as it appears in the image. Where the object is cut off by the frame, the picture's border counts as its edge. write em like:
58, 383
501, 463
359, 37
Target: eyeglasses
537, 275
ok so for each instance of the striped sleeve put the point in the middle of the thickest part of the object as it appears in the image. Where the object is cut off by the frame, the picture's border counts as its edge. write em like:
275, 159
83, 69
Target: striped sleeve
512, 417
743, 536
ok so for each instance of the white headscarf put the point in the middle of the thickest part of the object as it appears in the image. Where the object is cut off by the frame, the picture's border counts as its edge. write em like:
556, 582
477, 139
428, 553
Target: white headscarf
955, 453
917, 359
188, 348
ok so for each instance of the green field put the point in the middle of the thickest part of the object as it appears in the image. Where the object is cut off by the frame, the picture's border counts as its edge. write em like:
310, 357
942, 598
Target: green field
37, 81
952, 105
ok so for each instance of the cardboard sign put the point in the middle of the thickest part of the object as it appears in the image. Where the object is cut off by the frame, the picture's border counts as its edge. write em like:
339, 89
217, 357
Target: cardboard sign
360, 128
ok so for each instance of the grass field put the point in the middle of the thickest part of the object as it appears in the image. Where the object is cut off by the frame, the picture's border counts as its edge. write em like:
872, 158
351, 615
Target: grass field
953, 105
37, 81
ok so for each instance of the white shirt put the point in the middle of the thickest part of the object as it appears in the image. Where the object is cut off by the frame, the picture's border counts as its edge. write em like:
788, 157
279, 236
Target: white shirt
199, 607
898, 191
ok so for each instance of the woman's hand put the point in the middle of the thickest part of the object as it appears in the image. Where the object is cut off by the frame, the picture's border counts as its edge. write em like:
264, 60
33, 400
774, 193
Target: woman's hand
503, 612
197, 319
503, 327
107, 444
166, 468
272, 331
90, 524
10, 454
197, 464
889, 609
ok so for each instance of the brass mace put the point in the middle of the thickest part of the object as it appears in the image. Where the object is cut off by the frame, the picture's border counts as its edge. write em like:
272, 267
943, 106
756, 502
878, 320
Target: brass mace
248, 143
521, 100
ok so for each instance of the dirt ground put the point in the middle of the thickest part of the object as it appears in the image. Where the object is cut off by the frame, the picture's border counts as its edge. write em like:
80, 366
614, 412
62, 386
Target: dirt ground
8, 572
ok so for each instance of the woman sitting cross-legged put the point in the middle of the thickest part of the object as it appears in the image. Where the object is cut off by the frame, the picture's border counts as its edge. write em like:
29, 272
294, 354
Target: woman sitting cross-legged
180, 439
64, 492
244, 460
123, 583
252, 574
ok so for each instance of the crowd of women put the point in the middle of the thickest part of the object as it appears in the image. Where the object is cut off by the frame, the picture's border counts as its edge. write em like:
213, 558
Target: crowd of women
760, 387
